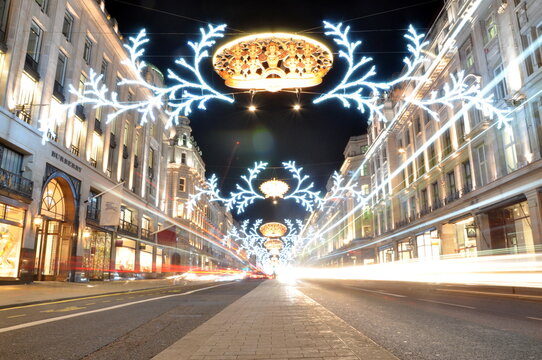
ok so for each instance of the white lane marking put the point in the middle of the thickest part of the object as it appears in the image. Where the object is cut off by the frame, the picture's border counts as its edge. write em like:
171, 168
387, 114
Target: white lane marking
15, 316
446, 303
534, 318
45, 321
376, 291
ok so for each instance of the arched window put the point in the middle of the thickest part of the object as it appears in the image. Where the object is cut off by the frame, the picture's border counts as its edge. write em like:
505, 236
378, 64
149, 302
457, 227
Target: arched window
185, 140
52, 202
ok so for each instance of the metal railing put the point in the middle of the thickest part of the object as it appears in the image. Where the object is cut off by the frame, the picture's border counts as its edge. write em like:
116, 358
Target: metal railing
93, 212
74, 150
146, 233
16, 183
128, 227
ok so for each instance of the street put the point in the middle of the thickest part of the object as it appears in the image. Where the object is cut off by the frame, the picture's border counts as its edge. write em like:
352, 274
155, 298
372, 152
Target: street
429, 322
149, 321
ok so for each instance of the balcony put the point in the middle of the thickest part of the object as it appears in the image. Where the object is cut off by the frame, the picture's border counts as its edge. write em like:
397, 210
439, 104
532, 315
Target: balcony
128, 228
31, 67
74, 150
146, 234
93, 163
58, 92
13, 183
24, 112
452, 196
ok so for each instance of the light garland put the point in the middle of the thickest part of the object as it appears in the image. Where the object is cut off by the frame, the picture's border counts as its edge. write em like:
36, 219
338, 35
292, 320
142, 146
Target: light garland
98, 95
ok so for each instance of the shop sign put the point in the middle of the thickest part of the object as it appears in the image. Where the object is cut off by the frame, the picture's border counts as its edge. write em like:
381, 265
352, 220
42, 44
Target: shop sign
66, 161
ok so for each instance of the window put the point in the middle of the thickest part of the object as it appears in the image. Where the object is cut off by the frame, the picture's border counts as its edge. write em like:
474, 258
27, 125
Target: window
509, 144
78, 127
25, 103
365, 170
460, 130
34, 42
418, 125
97, 145
410, 173
436, 194
490, 28
501, 89
467, 56
82, 83
407, 137
43, 4
61, 65
11, 160
183, 158
93, 205
126, 135
421, 165
365, 189
446, 143
482, 164
4, 7
126, 215
467, 176
182, 184
67, 26
432, 155
87, 52
151, 163
412, 207
104, 69
423, 200
185, 140
534, 60
452, 190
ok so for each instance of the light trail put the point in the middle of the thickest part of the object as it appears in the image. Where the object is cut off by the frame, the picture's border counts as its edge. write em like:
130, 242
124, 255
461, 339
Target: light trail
522, 270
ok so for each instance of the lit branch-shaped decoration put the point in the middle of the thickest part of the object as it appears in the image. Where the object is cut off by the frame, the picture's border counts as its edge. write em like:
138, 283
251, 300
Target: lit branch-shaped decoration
246, 196
340, 190
362, 90
464, 89
240, 199
180, 97
303, 193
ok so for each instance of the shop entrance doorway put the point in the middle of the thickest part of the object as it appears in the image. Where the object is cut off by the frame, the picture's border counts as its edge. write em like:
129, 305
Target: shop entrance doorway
55, 235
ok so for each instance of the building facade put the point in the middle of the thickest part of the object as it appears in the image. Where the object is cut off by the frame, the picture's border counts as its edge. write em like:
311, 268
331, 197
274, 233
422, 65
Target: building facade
89, 203
460, 186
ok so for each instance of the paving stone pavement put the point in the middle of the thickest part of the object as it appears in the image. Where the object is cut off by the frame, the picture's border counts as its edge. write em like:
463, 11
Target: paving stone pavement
275, 321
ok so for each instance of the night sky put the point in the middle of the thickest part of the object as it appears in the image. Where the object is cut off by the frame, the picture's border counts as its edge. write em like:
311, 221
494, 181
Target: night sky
316, 136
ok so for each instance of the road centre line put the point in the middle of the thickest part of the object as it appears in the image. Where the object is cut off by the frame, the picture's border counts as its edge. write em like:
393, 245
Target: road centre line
45, 321
15, 316
446, 303
513, 296
533, 318
377, 291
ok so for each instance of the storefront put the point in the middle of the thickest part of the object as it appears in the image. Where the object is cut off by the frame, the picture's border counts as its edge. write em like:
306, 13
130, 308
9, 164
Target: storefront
145, 258
125, 257
386, 254
510, 228
96, 263
159, 255
11, 235
465, 233
428, 245
405, 250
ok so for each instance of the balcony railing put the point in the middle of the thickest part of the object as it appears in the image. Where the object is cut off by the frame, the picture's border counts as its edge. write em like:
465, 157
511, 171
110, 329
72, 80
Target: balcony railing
74, 150
453, 196
16, 184
128, 227
146, 233
31, 67
24, 112
93, 163
58, 92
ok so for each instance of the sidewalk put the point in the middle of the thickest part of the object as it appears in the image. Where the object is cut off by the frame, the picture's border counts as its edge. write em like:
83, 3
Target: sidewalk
40, 291
275, 321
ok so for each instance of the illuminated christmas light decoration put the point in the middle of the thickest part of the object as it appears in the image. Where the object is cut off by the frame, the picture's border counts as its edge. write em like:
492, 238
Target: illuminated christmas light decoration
359, 88
463, 89
240, 199
303, 193
179, 98
273, 229
274, 188
272, 62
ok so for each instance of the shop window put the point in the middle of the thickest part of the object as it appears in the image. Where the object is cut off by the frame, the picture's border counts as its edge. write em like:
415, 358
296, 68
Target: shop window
125, 257
145, 258
67, 26
10, 246
510, 228
96, 254
428, 245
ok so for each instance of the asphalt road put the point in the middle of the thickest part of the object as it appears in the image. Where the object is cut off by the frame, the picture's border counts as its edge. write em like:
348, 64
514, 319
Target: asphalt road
434, 322
135, 325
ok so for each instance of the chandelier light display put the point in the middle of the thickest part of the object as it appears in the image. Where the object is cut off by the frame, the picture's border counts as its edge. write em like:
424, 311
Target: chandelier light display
274, 188
273, 229
272, 62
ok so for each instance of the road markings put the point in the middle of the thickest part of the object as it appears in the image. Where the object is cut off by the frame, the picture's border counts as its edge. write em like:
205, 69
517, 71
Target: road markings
15, 316
377, 291
514, 296
446, 303
90, 304
66, 309
534, 318
45, 321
